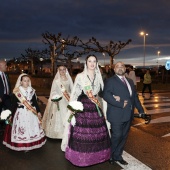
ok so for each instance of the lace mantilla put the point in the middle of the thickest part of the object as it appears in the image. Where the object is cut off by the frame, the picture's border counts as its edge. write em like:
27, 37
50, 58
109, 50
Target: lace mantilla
82, 80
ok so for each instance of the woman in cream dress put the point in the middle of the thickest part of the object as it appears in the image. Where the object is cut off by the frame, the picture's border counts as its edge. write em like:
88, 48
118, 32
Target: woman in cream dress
54, 117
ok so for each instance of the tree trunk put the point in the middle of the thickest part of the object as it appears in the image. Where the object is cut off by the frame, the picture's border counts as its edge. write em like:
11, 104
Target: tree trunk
52, 65
32, 67
111, 60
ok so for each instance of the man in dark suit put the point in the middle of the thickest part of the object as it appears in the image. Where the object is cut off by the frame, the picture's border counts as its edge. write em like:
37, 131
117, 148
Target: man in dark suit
4, 90
121, 97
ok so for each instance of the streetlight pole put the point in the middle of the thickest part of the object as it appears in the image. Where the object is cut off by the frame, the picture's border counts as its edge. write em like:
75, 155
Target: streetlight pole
158, 60
144, 46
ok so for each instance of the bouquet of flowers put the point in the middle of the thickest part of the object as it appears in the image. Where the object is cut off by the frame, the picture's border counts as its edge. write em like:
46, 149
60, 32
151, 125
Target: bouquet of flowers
75, 107
5, 115
56, 98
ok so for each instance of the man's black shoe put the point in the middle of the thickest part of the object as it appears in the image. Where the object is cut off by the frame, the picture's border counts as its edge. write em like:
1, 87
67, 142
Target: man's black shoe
111, 161
123, 162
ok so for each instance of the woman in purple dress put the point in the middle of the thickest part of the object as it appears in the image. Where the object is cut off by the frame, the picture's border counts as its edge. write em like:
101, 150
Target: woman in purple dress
87, 142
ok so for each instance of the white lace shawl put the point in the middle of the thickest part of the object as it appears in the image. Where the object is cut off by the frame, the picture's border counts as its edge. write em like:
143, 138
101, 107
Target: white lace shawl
55, 89
28, 94
82, 79
18, 82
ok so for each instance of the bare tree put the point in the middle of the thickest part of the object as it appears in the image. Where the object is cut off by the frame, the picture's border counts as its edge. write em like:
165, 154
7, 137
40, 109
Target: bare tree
34, 57
59, 45
69, 56
59, 49
112, 49
56, 46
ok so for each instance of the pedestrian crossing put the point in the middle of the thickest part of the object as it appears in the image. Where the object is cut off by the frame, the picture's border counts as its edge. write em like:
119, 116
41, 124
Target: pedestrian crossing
158, 104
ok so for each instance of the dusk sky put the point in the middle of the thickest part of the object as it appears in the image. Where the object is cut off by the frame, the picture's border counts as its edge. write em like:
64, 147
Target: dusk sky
23, 21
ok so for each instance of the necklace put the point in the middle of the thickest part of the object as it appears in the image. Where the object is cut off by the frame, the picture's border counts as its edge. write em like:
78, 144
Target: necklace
92, 82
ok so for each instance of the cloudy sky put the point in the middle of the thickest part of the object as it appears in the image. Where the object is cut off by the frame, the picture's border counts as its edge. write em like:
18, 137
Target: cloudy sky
23, 21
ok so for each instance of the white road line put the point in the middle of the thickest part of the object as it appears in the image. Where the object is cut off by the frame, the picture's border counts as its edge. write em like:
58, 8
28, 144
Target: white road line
139, 124
161, 120
155, 105
133, 163
155, 100
157, 120
157, 111
167, 135
157, 96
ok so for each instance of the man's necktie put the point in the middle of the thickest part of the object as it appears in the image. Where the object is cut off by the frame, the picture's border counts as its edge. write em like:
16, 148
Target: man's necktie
5, 83
123, 80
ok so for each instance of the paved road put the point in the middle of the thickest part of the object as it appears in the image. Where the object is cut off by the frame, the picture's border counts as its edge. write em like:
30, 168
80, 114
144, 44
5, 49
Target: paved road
147, 147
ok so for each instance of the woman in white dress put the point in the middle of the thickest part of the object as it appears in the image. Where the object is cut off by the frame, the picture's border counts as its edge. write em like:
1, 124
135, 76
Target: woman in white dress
26, 132
54, 117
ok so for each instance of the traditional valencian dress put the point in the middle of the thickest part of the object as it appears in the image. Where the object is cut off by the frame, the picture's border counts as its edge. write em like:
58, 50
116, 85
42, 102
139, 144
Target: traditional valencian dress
88, 141
26, 132
55, 114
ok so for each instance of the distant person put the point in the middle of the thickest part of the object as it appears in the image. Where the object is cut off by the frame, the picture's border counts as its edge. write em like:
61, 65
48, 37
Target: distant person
25, 133
120, 111
5, 91
132, 75
147, 82
55, 114
107, 71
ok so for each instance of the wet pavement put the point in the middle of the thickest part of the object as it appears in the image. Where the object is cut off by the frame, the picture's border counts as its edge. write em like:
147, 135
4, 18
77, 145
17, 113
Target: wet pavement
49, 157
147, 147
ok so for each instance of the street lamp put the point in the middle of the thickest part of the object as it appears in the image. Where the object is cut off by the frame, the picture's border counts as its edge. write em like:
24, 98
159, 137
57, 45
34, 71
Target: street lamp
63, 45
144, 44
104, 58
158, 52
41, 60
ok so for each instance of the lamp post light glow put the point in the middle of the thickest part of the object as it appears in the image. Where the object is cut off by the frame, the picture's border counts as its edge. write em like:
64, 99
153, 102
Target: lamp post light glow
144, 44
41, 60
104, 58
158, 60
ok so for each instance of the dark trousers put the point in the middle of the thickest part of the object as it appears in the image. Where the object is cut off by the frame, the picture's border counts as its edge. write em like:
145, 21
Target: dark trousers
119, 133
145, 86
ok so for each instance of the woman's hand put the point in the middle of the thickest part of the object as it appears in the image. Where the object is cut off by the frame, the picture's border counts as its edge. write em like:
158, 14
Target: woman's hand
39, 116
117, 98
